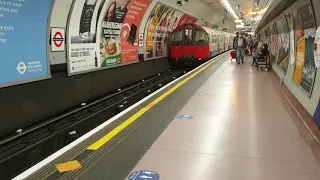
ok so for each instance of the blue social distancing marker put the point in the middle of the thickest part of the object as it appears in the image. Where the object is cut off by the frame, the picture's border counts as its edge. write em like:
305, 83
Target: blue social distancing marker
184, 116
144, 175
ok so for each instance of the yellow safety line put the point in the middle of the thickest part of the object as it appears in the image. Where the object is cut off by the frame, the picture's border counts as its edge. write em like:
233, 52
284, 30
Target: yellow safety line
117, 130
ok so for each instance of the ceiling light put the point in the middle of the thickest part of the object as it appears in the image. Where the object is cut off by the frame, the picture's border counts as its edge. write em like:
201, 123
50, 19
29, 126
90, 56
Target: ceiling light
239, 26
238, 21
227, 6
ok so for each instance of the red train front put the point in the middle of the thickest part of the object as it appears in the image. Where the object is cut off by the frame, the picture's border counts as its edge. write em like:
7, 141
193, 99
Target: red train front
191, 43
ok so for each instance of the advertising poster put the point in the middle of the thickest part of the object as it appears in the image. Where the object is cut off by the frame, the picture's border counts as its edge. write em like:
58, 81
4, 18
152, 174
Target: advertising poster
83, 51
23, 41
283, 44
162, 20
186, 19
297, 74
118, 33
305, 30
129, 31
104, 33
200, 22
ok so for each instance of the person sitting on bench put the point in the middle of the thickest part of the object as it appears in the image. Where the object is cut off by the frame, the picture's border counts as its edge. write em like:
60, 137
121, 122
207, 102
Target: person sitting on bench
261, 54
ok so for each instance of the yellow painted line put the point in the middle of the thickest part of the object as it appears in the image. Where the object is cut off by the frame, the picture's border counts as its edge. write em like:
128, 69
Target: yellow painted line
68, 166
117, 130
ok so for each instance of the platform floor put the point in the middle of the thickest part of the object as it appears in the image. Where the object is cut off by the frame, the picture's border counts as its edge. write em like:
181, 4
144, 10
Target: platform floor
240, 130
222, 122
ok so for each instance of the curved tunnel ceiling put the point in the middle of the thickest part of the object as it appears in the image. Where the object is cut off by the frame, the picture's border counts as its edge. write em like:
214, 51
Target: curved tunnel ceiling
209, 10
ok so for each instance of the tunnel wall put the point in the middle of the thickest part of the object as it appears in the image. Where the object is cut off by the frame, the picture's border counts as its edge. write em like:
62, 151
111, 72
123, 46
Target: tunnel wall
28, 103
297, 77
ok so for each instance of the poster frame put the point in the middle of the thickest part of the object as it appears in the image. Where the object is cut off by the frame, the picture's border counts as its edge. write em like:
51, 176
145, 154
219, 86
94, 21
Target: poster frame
48, 76
279, 38
303, 91
67, 50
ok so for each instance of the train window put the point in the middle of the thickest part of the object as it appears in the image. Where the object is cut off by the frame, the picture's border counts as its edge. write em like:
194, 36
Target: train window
188, 36
201, 36
177, 36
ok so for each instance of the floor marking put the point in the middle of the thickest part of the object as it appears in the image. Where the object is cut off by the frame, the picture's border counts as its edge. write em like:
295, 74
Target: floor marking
98, 144
63, 150
68, 166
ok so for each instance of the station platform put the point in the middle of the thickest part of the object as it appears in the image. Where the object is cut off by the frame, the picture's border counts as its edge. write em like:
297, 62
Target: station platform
222, 121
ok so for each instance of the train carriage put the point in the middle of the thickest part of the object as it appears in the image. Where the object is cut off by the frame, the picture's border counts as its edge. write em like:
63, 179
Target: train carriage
191, 43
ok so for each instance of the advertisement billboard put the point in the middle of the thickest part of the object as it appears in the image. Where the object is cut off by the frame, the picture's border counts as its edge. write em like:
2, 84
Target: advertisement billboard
103, 34
283, 44
23, 41
305, 70
187, 19
161, 20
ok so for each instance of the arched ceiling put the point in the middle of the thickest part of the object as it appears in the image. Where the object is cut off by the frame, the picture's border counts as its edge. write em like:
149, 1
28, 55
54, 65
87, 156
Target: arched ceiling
250, 11
209, 10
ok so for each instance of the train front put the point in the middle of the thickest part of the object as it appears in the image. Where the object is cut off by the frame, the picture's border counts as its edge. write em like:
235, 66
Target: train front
189, 44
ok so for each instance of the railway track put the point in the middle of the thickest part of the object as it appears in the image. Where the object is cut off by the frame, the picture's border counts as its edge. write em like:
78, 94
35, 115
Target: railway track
28, 146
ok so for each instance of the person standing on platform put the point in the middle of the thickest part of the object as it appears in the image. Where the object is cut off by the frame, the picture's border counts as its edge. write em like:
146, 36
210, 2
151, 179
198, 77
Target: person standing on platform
234, 44
239, 45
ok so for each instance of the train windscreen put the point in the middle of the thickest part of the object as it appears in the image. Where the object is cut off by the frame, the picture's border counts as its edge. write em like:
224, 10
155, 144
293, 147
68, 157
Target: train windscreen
201, 38
177, 38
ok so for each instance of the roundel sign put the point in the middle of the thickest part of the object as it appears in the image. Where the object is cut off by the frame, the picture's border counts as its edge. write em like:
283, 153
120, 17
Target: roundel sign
57, 39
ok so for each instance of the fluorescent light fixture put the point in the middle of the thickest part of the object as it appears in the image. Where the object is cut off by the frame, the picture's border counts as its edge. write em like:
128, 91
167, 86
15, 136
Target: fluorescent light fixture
239, 26
238, 21
227, 6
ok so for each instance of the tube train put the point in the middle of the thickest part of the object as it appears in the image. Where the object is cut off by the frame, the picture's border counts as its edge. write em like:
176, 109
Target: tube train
194, 44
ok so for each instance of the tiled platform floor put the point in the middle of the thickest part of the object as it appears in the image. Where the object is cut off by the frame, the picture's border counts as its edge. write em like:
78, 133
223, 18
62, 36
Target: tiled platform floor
240, 131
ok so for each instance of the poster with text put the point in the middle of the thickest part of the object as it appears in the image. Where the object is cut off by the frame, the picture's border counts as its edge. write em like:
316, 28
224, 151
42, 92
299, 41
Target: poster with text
187, 19
104, 33
130, 29
297, 74
83, 52
283, 44
23, 41
162, 19
305, 34
119, 29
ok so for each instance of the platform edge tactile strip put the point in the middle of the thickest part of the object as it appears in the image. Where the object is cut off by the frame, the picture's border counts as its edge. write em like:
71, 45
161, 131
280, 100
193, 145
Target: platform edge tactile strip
117, 161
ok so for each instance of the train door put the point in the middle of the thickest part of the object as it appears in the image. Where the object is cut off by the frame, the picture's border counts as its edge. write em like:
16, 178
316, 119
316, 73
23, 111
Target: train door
221, 42
176, 49
201, 45
187, 46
